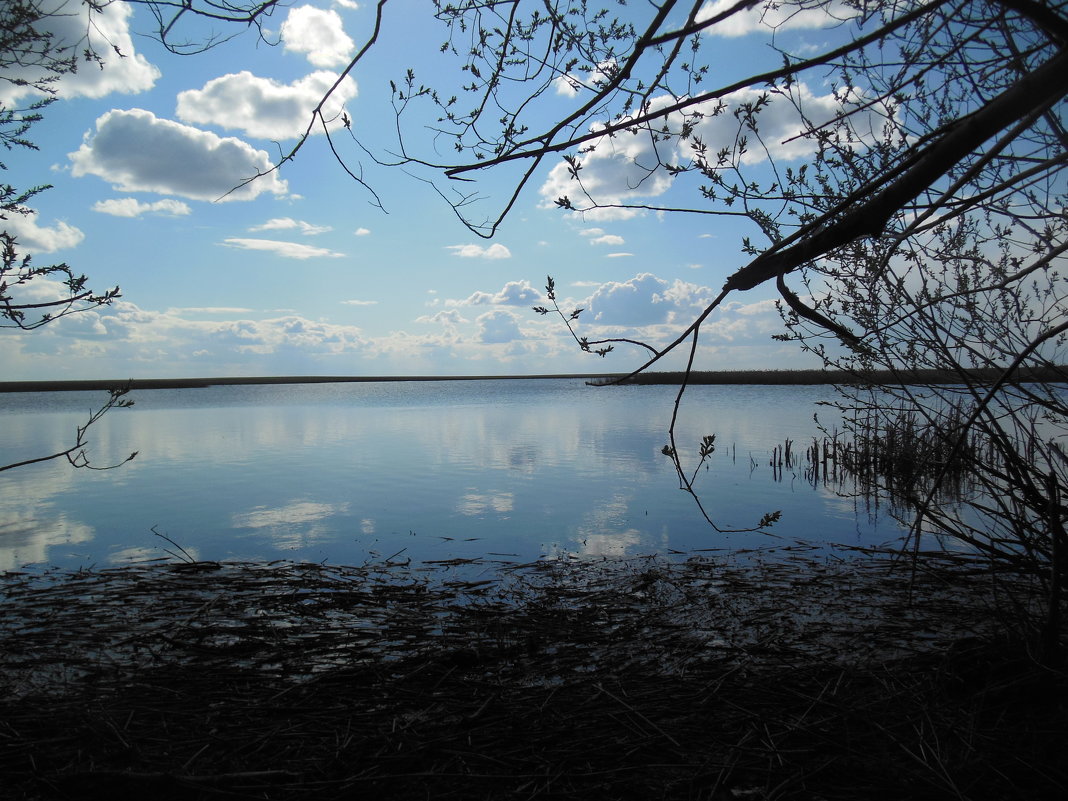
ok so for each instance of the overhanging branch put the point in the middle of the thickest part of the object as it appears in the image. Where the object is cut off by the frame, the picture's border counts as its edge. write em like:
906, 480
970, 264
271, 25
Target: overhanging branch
1032, 94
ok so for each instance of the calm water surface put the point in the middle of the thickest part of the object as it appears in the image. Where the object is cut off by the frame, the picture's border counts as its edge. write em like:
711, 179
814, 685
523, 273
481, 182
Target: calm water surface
432, 470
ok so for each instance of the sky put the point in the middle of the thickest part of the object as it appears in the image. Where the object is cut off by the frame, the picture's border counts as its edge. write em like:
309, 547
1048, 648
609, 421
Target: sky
300, 272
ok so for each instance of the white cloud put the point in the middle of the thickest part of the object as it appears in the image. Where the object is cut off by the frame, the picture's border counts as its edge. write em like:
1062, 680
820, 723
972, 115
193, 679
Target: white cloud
773, 15
570, 85
177, 343
759, 307
567, 85
263, 107
617, 170
498, 327
514, 293
362, 231
319, 35
646, 300
181, 342
34, 238
654, 310
625, 168
779, 122
130, 207
288, 224
209, 310
495, 251
135, 151
107, 34
448, 318
359, 302
288, 250
607, 239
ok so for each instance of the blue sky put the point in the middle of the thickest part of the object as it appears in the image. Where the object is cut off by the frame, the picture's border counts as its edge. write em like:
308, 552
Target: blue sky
298, 272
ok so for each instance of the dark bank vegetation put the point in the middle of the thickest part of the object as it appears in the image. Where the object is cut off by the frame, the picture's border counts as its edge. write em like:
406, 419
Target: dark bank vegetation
223, 381
935, 376
799, 673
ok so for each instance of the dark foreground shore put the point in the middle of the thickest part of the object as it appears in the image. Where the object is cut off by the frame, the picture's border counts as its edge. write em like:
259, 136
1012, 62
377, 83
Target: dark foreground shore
796, 675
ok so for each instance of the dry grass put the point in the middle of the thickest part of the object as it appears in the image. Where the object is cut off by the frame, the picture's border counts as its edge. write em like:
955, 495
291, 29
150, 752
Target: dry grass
798, 674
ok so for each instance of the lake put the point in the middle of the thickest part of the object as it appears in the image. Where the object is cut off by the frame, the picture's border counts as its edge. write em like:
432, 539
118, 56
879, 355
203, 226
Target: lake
438, 470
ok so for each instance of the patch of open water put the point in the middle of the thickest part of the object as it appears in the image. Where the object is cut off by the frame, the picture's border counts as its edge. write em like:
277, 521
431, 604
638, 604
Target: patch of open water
347, 473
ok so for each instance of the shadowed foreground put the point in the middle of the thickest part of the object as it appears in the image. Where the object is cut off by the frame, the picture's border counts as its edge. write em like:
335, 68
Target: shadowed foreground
800, 674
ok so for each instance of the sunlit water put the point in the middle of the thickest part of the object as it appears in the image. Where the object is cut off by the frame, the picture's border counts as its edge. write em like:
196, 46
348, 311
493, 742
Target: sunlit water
348, 473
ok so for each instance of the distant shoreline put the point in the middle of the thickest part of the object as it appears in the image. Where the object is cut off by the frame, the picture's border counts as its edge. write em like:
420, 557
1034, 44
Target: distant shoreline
200, 383
759, 377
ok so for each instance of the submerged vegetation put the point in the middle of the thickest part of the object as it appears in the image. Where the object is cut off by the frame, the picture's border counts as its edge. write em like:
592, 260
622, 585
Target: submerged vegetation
799, 673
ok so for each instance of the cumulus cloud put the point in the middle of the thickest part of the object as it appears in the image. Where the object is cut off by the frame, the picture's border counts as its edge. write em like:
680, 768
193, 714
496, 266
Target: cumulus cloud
197, 342
136, 151
772, 15
130, 207
319, 35
476, 251
449, 317
287, 250
779, 121
646, 300
209, 310
35, 238
607, 239
362, 231
514, 293
616, 170
571, 84
597, 236
107, 35
498, 327
359, 302
127, 333
495, 251
625, 169
288, 224
263, 107
289, 332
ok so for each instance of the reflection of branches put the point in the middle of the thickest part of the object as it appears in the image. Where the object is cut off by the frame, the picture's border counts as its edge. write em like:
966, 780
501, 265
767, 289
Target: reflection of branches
76, 455
707, 445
